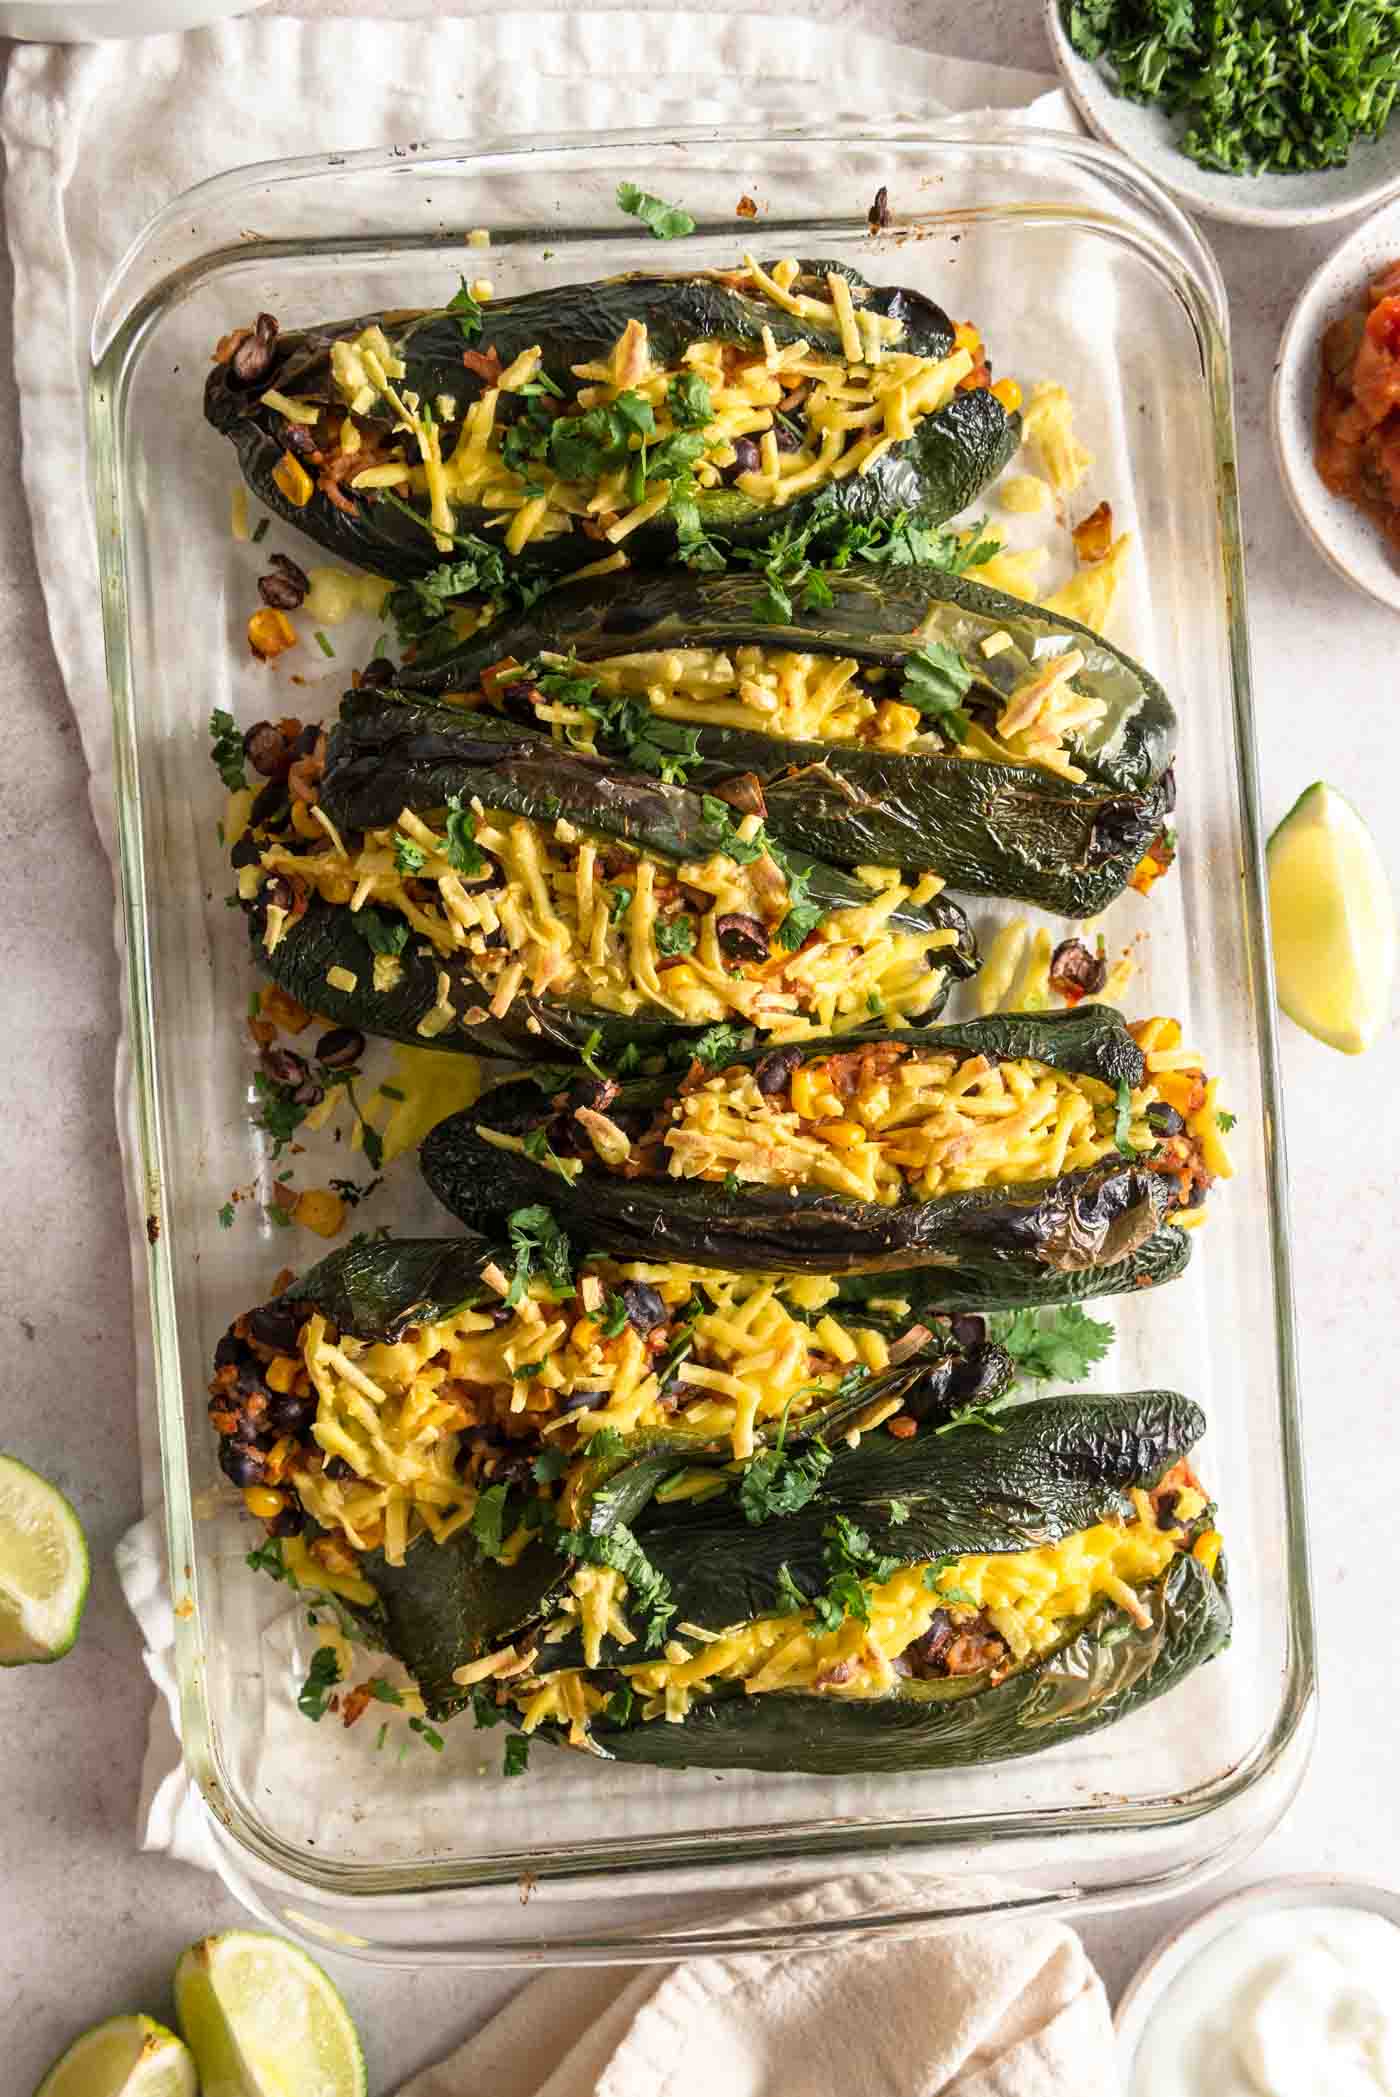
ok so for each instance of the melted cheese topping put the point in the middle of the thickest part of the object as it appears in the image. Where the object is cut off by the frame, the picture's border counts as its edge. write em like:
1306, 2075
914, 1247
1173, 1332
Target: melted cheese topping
396, 1412
560, 923
924, 1126
1032, 1598
858, 403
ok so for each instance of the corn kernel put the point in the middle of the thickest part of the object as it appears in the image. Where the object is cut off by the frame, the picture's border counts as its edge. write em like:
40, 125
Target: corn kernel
306, 825
282, 1373
1206, 1550
1008, 393
966, 337
842, 1135
805, 1081
293, 480
262, 1502
319, 1210
586, 1334
270, 633
682, 977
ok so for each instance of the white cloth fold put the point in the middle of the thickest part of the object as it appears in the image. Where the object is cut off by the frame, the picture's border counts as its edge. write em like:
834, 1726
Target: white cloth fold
1011, 2009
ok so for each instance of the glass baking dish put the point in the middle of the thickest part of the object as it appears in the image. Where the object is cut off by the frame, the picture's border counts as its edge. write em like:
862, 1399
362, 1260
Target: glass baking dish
1077, 268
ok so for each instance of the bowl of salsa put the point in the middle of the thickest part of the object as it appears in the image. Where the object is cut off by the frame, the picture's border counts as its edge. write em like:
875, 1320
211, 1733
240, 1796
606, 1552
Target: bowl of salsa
1336, 408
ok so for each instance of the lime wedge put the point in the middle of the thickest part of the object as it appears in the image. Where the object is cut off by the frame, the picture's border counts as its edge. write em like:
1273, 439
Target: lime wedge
125, 2057
43, 1568
263, 2020
1333, 921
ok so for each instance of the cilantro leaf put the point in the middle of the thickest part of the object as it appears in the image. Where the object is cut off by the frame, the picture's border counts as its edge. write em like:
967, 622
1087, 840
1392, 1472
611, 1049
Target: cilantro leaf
540, 1247
936, 679
614, 1318
549, 1465
516, 1759
268, 1559
1064, 1343
383, 1692
619, 1705
462, 850
429, 1735
776, 1484
383, 934
790, 1595
226, 749
409, 858
662, 220
648, 1590
688, 398
226, 1216
321, 1678
1225, 1121
488, 1520
674, 935
467, 310
717, 1047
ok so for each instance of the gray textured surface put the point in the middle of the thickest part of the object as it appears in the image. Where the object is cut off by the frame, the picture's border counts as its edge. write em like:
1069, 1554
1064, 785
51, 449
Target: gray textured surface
87, 1925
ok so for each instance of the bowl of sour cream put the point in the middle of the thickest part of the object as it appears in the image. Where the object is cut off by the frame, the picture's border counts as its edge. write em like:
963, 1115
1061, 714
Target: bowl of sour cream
1290, 1988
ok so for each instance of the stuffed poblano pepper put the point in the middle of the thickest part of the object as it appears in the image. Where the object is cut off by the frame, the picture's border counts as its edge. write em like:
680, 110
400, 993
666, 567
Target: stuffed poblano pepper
600, 426
917, 719
940, 1601
410, 1418
1026, 1158
511, 898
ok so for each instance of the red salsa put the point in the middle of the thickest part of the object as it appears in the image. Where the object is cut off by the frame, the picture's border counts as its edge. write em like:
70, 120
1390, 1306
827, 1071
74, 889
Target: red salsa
1358, 405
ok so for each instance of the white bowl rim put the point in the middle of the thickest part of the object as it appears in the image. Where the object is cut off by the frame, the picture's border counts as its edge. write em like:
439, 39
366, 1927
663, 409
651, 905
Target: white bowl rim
1188, 187
1169, 1958
1295, 345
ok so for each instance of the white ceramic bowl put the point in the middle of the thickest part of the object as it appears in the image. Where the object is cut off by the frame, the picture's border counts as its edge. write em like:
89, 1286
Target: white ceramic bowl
1342, 534
1143, 1995
1372, 172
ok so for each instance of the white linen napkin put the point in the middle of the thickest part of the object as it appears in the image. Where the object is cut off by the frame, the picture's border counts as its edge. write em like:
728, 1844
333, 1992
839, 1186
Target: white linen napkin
1011, 2009
98, 138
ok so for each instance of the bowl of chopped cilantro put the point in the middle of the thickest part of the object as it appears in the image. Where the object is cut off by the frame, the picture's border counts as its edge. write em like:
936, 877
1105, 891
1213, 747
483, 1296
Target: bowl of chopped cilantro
1272, 112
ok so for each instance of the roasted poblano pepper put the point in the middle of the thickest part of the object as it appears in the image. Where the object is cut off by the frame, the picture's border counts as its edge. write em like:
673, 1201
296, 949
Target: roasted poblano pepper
918, 720
637, 419
523, 1393
1027, 1158
941, 1601
582, 909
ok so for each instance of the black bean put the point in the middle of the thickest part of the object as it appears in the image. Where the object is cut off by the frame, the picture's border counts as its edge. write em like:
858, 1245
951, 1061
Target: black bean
336, 1467
307, 739
1196, 1196
741, 938
270, 805
520, 692
340, 1048
581, 1401
251, 360
646, 1307
774, 1074
747, 457
309, 1093
290, 1522
597, 1093
266, 749
230, 1349
378, 673
244, 1465
276, 1324
247, 852
281, 593
1164, 1120
279, 892
288, 1413
788, 438
297, 437
878, 215
288, 568
1166, 1509
1073, 967
968, 1329
285, 1067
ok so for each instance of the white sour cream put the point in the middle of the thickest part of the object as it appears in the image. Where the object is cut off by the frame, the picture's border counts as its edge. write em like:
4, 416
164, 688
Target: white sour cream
1299, 2002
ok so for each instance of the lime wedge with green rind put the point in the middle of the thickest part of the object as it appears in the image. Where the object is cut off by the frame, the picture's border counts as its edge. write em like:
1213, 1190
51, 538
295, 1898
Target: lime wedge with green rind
263, 2020
43, 1568
1333, 921
125, 2057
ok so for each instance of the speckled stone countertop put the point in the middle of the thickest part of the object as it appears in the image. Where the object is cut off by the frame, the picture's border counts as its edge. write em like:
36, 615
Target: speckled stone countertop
87, 1924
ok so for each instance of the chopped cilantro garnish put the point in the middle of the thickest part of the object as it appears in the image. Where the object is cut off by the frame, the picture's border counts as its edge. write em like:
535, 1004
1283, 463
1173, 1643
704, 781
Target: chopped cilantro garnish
1123, 1119
719, 1044
467, 310
487, 1524
381, 933
323, 643
409, 858
674, 935
648, 1590
383, 1692
226, 749
688, 398
540, 1247
936, 680
429, 1735
1225, 1121
268, 1559
462, 850
662, 220
551, 1463
619, 1705
619, 903
516, 1759
614, 1316
1063, 1343
226, 1217
322, 1676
